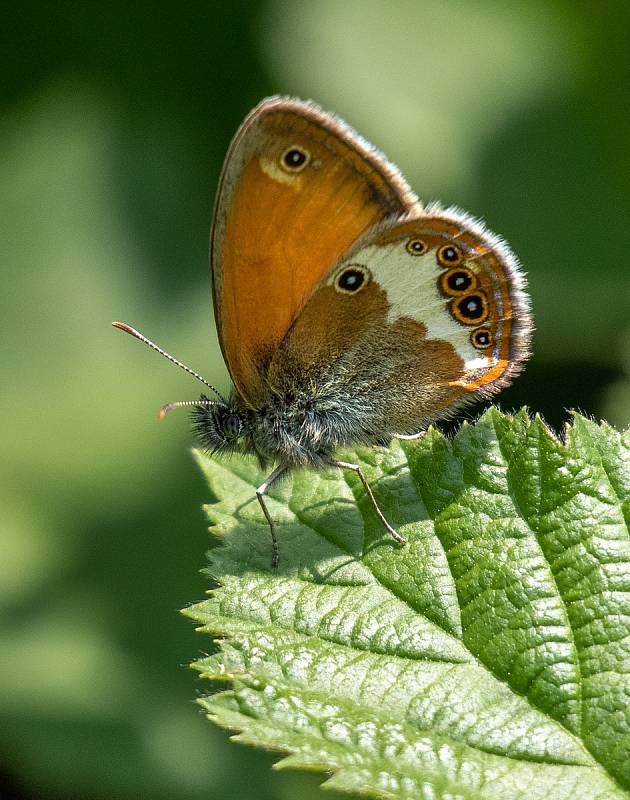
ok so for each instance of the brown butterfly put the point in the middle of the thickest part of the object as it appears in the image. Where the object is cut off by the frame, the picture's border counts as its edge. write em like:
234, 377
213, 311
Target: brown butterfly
347, 312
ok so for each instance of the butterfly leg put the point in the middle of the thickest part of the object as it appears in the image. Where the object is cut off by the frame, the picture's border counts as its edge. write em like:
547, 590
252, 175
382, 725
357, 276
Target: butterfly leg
359, 472
262, 490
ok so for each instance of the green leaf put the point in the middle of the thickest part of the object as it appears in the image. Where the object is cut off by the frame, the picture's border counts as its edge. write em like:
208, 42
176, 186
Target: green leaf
488, 658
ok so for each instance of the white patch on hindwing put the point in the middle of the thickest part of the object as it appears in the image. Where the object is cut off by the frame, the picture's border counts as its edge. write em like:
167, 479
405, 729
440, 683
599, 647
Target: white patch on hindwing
411, 284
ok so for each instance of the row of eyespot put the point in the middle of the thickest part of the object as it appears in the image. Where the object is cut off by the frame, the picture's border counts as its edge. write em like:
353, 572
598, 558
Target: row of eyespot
466, 309
469, 308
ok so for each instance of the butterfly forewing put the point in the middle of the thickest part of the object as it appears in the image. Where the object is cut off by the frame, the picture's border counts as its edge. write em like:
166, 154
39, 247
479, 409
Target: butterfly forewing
298, 188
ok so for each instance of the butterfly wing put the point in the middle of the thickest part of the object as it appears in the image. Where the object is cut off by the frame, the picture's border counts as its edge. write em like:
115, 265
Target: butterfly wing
420, 316
298, 188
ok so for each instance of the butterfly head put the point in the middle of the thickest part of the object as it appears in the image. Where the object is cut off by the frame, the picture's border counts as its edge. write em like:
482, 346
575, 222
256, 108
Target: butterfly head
219, 427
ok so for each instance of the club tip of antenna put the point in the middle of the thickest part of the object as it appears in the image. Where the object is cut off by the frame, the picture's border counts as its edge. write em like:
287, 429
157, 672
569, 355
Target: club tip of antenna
169, 407
121, 326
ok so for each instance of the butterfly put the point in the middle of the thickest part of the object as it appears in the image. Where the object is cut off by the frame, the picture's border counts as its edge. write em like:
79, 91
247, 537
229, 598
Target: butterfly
347, 312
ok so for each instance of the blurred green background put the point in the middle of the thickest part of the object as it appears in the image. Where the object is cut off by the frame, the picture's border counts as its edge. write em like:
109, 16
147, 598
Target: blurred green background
115, 121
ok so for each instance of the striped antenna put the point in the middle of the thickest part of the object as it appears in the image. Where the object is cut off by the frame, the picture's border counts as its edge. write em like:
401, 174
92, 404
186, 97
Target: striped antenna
181, 403
133, 332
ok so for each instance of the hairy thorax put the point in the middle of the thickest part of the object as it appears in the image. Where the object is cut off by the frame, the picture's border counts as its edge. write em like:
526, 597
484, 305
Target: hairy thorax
301, 431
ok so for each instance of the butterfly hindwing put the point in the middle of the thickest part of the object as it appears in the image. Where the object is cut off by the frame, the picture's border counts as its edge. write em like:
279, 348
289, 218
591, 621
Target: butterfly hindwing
298, 188
420, 315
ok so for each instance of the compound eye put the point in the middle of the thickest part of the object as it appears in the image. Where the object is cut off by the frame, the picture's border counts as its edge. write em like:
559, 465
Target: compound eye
231, 426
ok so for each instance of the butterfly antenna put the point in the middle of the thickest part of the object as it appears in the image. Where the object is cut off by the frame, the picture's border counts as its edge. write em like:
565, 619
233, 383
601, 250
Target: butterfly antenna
182, 403
133, 332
